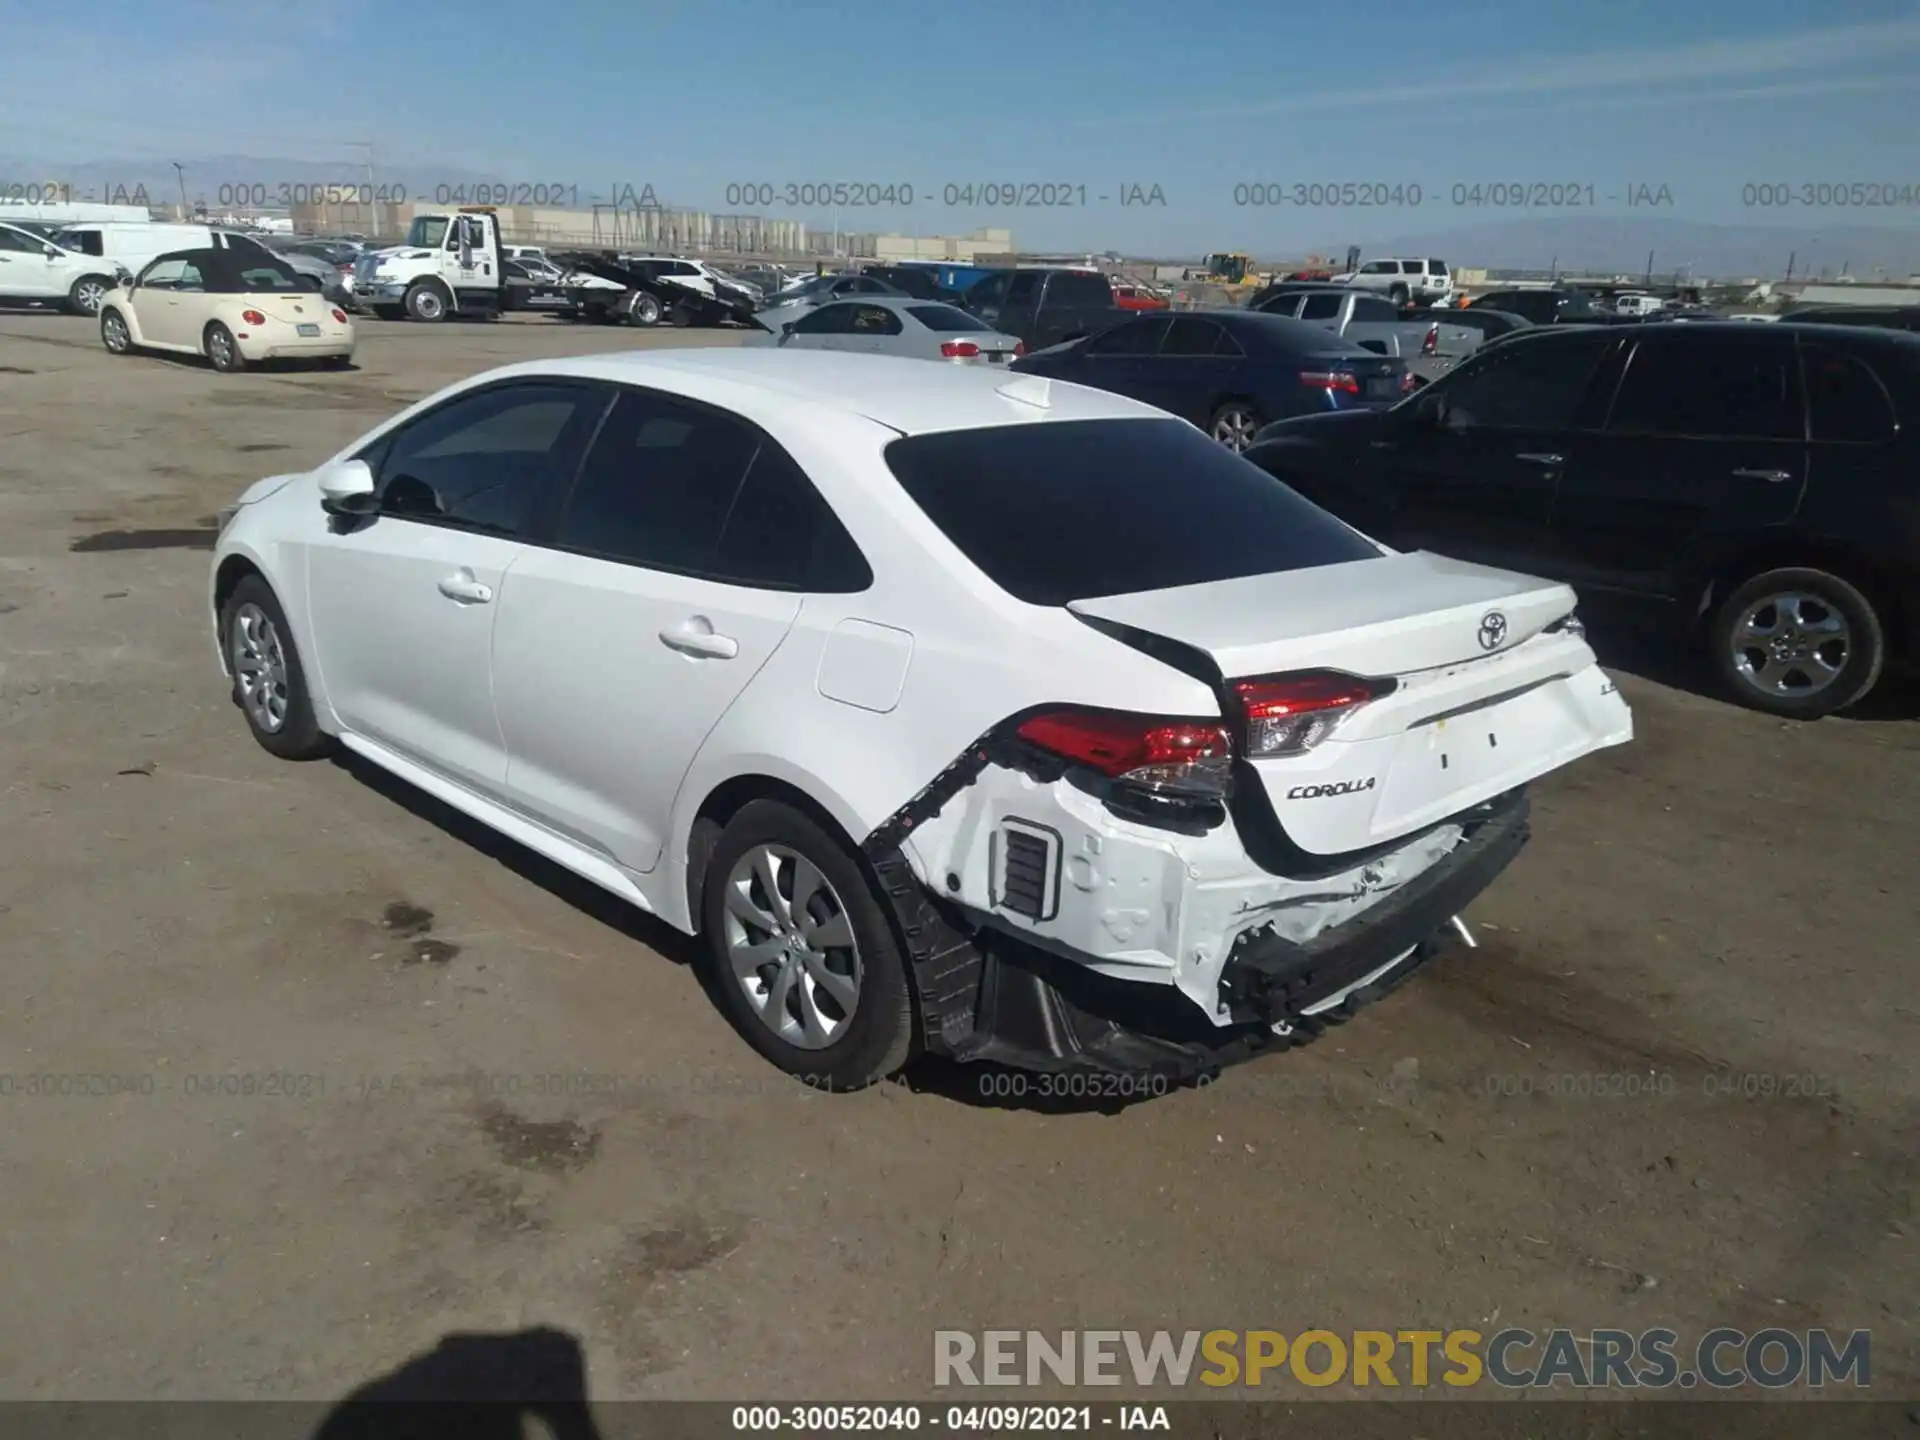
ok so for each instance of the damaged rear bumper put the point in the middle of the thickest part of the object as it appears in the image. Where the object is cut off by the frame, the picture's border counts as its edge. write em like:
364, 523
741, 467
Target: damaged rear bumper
987, 994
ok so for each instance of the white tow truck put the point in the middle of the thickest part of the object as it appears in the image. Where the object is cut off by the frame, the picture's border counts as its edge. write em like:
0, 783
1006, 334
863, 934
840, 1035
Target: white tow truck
449, 264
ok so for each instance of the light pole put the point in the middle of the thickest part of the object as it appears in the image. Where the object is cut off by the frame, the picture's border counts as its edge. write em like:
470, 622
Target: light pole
373, 200
182, 174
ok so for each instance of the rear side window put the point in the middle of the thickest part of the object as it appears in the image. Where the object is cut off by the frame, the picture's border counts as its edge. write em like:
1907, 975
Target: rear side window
1024, 287
657, 485
1845, 400
946, 319
1437, 267
1320, 307
1073, 288
1073, 510
781, 535
1190, 336
1137, 337
1713, 389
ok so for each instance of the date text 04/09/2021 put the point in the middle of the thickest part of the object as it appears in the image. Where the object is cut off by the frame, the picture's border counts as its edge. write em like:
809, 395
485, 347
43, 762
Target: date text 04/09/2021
954, 1419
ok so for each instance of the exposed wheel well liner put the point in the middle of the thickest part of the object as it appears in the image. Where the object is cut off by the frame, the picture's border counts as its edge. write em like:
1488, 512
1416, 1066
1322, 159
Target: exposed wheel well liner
726, 801
233, 570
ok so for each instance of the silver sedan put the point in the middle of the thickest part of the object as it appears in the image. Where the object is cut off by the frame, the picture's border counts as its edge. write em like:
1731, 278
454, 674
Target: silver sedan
897, 325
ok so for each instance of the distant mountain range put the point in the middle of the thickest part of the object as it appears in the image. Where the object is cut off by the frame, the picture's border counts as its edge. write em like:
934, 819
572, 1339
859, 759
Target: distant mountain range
1621, 245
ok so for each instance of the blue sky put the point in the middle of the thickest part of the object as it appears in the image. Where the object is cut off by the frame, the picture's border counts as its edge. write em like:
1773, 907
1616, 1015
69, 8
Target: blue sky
1701, 96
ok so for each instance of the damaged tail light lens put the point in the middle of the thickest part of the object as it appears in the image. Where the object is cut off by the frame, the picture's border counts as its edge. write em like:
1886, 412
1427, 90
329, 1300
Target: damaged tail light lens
1170, 757
1290, 714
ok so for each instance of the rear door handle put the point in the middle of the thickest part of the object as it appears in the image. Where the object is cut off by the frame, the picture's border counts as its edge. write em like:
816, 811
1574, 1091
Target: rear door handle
1774, 477
1534, 457
463, 587
689, 640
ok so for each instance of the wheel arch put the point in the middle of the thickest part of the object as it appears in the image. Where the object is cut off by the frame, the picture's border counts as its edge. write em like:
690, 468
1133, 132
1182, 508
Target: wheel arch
1712, 578
725, 799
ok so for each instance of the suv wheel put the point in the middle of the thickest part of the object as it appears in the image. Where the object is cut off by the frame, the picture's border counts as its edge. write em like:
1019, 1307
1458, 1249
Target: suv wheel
89, 293
1398, 294
800, 952
1799, 643
1234, 425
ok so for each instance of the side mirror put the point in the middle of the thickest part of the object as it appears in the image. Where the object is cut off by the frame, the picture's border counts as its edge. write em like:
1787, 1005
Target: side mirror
347, 489
52, 252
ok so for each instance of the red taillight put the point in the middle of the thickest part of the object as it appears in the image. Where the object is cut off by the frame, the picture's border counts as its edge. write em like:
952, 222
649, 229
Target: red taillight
340, 317
1431, 344
1188, 757
1409, 383
1341, 380
253, 317
1289, 714
1019, 348
959, 349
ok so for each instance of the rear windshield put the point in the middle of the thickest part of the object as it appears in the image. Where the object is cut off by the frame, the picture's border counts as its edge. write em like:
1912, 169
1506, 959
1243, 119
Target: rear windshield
1074, 510
946, 319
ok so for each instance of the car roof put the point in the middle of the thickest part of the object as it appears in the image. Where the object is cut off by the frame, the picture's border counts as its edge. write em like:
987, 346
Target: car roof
913, 397
894, 302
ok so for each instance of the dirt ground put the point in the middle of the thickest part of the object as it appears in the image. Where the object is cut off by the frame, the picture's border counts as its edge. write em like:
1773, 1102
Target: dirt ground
378, 1078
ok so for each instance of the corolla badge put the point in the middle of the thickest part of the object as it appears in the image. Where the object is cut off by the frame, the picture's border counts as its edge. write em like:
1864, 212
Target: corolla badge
1493, 630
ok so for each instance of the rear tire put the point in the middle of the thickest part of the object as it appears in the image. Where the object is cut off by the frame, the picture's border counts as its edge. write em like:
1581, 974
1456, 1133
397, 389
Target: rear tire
784, 977
1798, 643
1235, 424
223, 351
269, 683
1398, 294
644, 311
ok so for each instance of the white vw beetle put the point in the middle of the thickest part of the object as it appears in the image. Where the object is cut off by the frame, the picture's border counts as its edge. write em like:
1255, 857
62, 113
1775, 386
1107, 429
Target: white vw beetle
233, 306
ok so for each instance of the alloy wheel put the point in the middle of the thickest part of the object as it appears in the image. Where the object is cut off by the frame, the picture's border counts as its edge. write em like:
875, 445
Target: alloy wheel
791, 947
1235, 429
1790, 645
259, 668
220, 349
90, 295
114, 331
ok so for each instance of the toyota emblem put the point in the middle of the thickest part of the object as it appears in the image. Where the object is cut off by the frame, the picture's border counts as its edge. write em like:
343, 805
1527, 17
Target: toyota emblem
1493, 630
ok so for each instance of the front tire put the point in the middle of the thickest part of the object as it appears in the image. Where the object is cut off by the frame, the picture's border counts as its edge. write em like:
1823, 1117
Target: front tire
1799, 643
269, 682
800, 953
114, 333
1235, 424
223, 351
426, 304
88, 294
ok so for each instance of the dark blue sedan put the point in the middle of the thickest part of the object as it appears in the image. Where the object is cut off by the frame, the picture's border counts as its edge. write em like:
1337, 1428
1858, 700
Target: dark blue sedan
1228, 371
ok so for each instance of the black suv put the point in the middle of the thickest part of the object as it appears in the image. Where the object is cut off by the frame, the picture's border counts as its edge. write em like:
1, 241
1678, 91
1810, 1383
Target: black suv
1550, 307
1759, 478
1044, 307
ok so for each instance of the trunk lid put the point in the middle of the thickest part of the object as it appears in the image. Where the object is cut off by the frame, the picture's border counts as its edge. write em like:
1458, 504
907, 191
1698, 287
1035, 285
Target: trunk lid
1485, 694
293, 309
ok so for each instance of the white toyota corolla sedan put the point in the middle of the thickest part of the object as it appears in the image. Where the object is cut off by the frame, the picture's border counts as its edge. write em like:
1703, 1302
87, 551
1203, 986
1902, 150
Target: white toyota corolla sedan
955, 711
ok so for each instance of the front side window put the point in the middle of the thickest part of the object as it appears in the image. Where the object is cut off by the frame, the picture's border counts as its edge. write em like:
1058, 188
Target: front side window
1321, 307
1528, 387
162, 274
827, 320
15, 242
1715, 389
480, 461
1368, 311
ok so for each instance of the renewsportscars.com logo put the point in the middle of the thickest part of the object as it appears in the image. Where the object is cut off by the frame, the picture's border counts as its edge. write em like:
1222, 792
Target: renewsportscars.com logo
1516, 1359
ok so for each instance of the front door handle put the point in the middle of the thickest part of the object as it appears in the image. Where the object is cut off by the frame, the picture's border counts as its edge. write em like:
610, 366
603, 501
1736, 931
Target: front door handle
1773, 477
697, 638
1534, 457
463, 587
